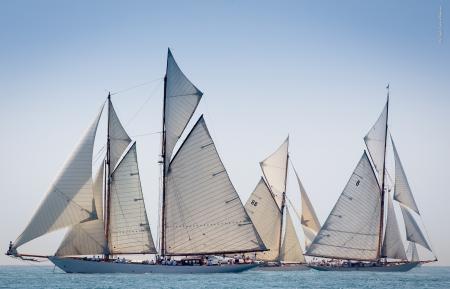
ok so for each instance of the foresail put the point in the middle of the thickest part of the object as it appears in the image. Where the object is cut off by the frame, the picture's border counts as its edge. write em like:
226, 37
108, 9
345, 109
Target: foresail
393, 245
403, 193
352, 228
204, 213
413, 231
181, 100
129, 230
266, 216
375, 141
87, 238
291, 250
274, 169
69, 199
119, 139
411, 252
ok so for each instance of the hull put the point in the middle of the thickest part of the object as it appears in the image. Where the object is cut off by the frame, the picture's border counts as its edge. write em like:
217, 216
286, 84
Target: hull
72, 265
291, 267
378, 268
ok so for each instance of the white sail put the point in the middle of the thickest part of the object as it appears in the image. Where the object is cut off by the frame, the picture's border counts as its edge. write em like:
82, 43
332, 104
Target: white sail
375, 141
274, 169
87, 238
181, 100
69, 199
129, 229
352, 228
266, 216
291, 250
309, 218
393, 244
119, 139
204, 213
403, 193
413, 231
411, 252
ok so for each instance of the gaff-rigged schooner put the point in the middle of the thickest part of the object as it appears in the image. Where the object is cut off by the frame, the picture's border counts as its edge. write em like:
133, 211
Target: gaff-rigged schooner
360, 234
201, 212
268, 207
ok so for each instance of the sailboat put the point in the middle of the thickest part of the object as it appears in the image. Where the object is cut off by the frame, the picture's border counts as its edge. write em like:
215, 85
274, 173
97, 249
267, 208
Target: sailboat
201, 213
269, 209
361, 233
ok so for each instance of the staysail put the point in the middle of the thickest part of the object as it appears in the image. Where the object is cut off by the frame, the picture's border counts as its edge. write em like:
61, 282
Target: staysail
413, 231
204, 214
375, 141
393, 244
69, 199
266, 216
275, 168
181, 100
129, 227
352, 228
411, 252
88, 238
291, 250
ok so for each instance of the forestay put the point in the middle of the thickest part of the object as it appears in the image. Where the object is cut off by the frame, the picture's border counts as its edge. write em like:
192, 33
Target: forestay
69, 199
375, 141
87, 238
413, 231
129, 228
266, 216
119, 139
291, 250
181, 100
274, 169
204, 214
393, 244
403, 193
352, 228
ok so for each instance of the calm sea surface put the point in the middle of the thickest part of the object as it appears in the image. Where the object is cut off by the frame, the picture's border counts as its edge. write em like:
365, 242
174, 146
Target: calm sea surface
46, 277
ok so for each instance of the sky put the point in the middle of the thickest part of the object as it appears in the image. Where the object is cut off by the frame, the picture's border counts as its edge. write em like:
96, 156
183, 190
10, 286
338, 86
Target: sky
316, 70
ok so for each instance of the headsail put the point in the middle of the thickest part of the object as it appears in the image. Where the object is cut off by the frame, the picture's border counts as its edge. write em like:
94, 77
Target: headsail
291, 250
352, 228
411, 252
274, 169
129, 226
393, 244
69, 199
87, 238
413, 231
403, 193
266, 216
375, 141
204, 214
181, 100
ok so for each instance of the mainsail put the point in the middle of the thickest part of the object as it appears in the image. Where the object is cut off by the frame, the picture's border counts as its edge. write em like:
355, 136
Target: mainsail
180, 101
204, 214
266, 216
352, 228
70, 198
291, 250
393, 244
275, 168
129, 228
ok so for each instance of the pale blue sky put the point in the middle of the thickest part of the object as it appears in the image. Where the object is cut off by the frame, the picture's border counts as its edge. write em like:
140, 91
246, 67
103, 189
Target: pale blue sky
314, 69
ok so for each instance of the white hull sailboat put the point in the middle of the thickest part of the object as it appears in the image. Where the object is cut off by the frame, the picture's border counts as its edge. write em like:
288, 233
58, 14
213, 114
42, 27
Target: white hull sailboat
201, 216
269, 209
362, 233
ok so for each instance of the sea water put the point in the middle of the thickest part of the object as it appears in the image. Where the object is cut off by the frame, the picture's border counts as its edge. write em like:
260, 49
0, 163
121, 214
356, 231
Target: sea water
50, 277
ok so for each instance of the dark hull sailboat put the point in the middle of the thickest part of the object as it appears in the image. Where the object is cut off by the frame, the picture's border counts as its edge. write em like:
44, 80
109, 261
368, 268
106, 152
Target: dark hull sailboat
370, 267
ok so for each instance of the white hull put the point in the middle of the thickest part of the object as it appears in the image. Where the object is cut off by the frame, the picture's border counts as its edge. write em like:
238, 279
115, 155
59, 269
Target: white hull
378, 268
290, 267
73, 265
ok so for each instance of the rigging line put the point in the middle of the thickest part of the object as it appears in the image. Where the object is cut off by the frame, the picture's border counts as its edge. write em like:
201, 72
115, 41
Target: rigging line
136, 86
145, 134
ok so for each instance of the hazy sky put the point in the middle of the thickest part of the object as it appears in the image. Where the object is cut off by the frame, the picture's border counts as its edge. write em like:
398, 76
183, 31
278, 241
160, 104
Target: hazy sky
314, 69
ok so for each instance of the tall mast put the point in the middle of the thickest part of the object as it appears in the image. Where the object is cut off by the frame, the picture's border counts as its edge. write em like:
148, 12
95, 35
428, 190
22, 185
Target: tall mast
283, 206
107, 200
163, 154
380, 234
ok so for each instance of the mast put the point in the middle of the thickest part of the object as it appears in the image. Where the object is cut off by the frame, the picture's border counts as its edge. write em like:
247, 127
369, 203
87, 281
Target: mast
380, 234
163, 155
107, 200
283, 208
